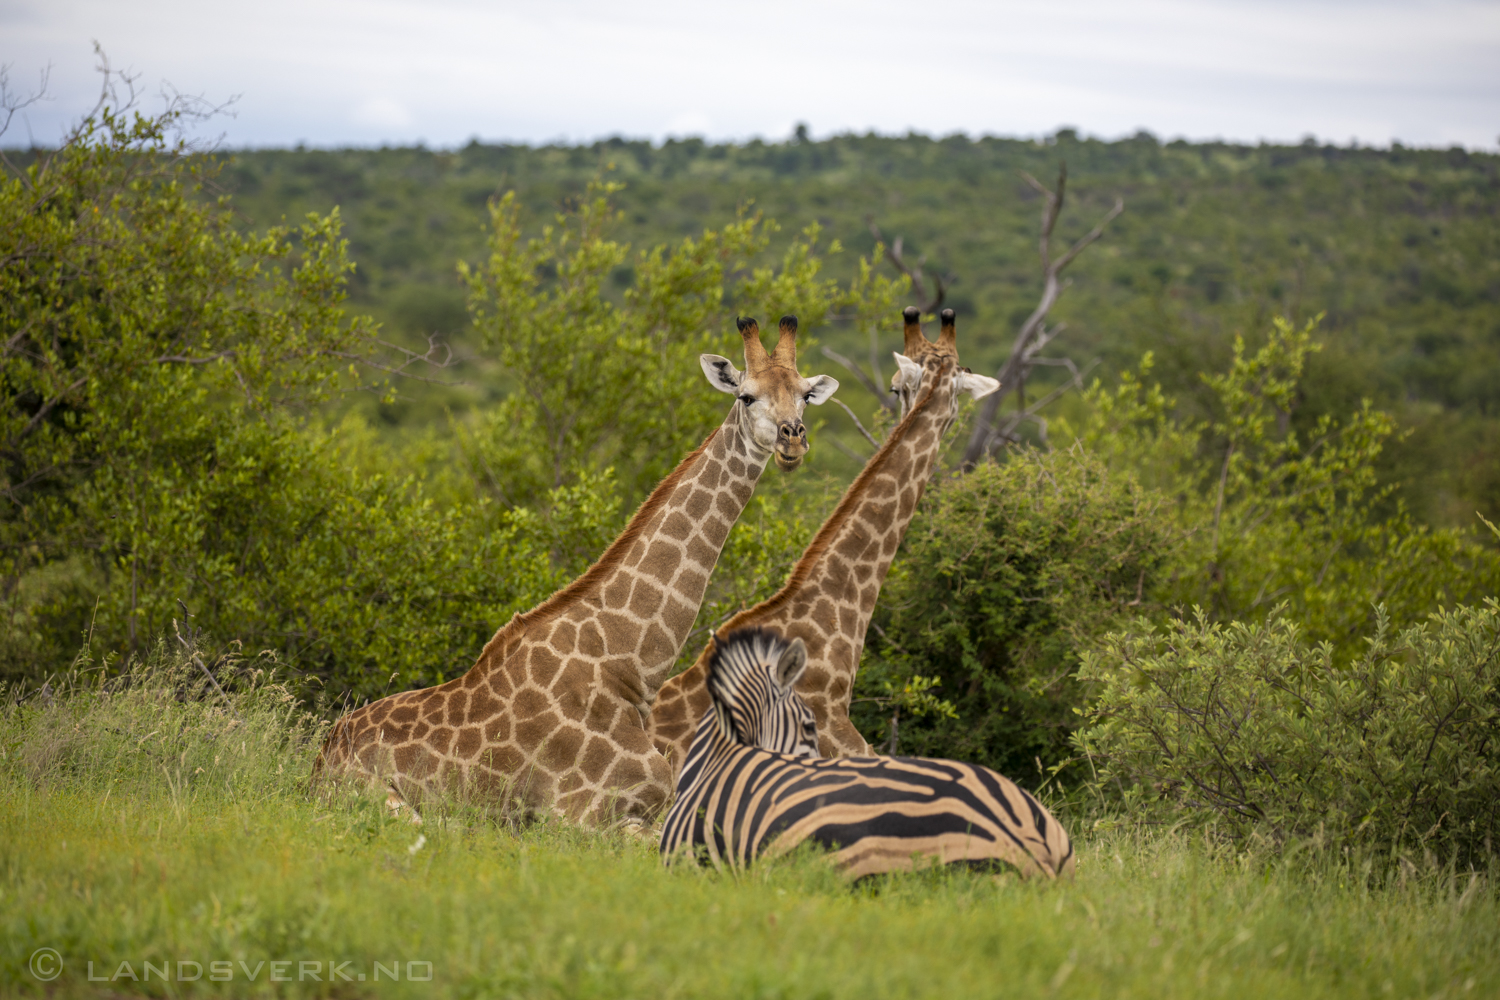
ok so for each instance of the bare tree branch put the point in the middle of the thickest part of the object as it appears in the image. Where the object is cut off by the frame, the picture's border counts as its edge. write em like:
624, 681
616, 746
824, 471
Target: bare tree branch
1033, 334
841, 446
190, 647
940, 283
408, 358
868, 436
884, 396
12, 103
398, 363
1008, 426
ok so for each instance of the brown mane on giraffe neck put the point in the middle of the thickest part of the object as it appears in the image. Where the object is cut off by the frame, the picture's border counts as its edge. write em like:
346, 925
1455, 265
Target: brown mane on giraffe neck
611, 557
850, 500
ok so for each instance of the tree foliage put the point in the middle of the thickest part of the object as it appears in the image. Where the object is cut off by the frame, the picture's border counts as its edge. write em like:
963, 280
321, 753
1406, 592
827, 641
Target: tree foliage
157, 367
1394, 245
1271, 514
607, 380
169, 449
1004, 574
1010, 574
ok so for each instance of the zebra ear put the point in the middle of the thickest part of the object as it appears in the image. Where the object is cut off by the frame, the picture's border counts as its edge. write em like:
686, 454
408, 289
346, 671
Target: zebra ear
788, 669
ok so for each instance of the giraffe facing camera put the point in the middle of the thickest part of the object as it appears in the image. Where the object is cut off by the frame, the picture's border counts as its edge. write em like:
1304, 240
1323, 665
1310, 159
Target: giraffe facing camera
771, 391
831, 592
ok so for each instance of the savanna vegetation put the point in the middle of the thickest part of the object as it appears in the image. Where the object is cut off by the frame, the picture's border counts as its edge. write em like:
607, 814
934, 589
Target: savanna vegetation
147, 820
1228, 606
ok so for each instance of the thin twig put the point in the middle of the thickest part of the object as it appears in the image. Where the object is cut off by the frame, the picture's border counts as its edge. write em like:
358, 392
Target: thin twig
193, 655
918, 280
868, 436
1007, 429
883, 395
841, 446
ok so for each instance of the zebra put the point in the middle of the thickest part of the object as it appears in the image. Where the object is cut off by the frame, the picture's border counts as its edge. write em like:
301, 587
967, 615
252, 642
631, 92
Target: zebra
752, 786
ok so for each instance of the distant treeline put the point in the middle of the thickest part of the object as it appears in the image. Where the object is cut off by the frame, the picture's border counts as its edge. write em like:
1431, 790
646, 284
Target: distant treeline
1398, 248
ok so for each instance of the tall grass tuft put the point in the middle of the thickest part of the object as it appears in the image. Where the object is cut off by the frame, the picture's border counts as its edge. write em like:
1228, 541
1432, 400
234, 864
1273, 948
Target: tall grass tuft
162, 726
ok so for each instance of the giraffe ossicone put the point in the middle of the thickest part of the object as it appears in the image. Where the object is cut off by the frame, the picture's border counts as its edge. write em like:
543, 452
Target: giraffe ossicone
551, 717
830, 594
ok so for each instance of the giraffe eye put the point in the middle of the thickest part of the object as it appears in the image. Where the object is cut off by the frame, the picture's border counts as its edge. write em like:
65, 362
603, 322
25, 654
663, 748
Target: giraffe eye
747, 399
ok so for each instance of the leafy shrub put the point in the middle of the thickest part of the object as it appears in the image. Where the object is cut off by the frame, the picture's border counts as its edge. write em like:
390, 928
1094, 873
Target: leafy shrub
160, 441
1271, 516
1249, 727
155, 451
1003, 574
606, 382
154, 353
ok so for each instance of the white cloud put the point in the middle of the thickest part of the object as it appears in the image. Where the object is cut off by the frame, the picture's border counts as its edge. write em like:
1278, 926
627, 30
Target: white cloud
382, 113
325, 70
688, 123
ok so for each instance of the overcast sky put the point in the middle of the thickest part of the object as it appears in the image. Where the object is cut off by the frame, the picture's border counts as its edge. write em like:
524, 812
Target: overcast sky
339, 72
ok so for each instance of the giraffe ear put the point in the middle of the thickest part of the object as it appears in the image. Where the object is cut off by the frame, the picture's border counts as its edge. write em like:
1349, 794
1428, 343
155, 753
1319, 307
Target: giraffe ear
788, 670
722, 374
907, 370
978, 386
820, 388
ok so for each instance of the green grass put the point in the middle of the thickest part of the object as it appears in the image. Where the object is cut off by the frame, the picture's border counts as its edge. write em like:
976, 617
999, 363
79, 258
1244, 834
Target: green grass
127, 834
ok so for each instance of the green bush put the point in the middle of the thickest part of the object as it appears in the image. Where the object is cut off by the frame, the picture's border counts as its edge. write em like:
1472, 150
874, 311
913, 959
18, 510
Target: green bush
1269, 515
1004, 573
154, 447
1009, 572
1256, 731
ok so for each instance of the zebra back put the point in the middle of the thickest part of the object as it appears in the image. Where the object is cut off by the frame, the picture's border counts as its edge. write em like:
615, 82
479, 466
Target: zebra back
738, 802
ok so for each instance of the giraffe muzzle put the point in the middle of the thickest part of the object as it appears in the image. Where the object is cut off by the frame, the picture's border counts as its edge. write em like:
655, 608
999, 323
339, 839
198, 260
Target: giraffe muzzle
791, 445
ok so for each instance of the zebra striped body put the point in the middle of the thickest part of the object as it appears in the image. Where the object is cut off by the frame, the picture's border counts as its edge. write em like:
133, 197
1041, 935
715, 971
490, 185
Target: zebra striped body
737, 802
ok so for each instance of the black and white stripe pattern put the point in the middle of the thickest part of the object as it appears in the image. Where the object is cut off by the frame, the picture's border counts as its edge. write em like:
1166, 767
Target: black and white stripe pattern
739, 800
751, 675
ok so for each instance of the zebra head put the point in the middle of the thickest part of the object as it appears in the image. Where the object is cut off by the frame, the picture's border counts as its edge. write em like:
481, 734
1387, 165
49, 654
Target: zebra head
752, 678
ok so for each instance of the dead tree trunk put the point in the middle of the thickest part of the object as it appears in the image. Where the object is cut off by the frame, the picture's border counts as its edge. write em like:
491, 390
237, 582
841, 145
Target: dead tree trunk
1034, 335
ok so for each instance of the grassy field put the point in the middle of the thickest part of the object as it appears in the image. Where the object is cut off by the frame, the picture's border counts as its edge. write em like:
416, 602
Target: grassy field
143, 826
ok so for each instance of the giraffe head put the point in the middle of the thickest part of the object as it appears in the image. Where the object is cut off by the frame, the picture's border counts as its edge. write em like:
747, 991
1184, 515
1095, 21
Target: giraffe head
771, 394
922, 355
752, 679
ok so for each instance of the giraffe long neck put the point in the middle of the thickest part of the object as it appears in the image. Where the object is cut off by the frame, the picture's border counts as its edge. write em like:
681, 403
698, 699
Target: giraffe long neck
633, 609
848, 559
831, 592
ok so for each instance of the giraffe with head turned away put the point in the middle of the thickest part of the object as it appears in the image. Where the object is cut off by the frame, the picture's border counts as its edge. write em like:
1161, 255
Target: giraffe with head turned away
551, 717
827, 600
